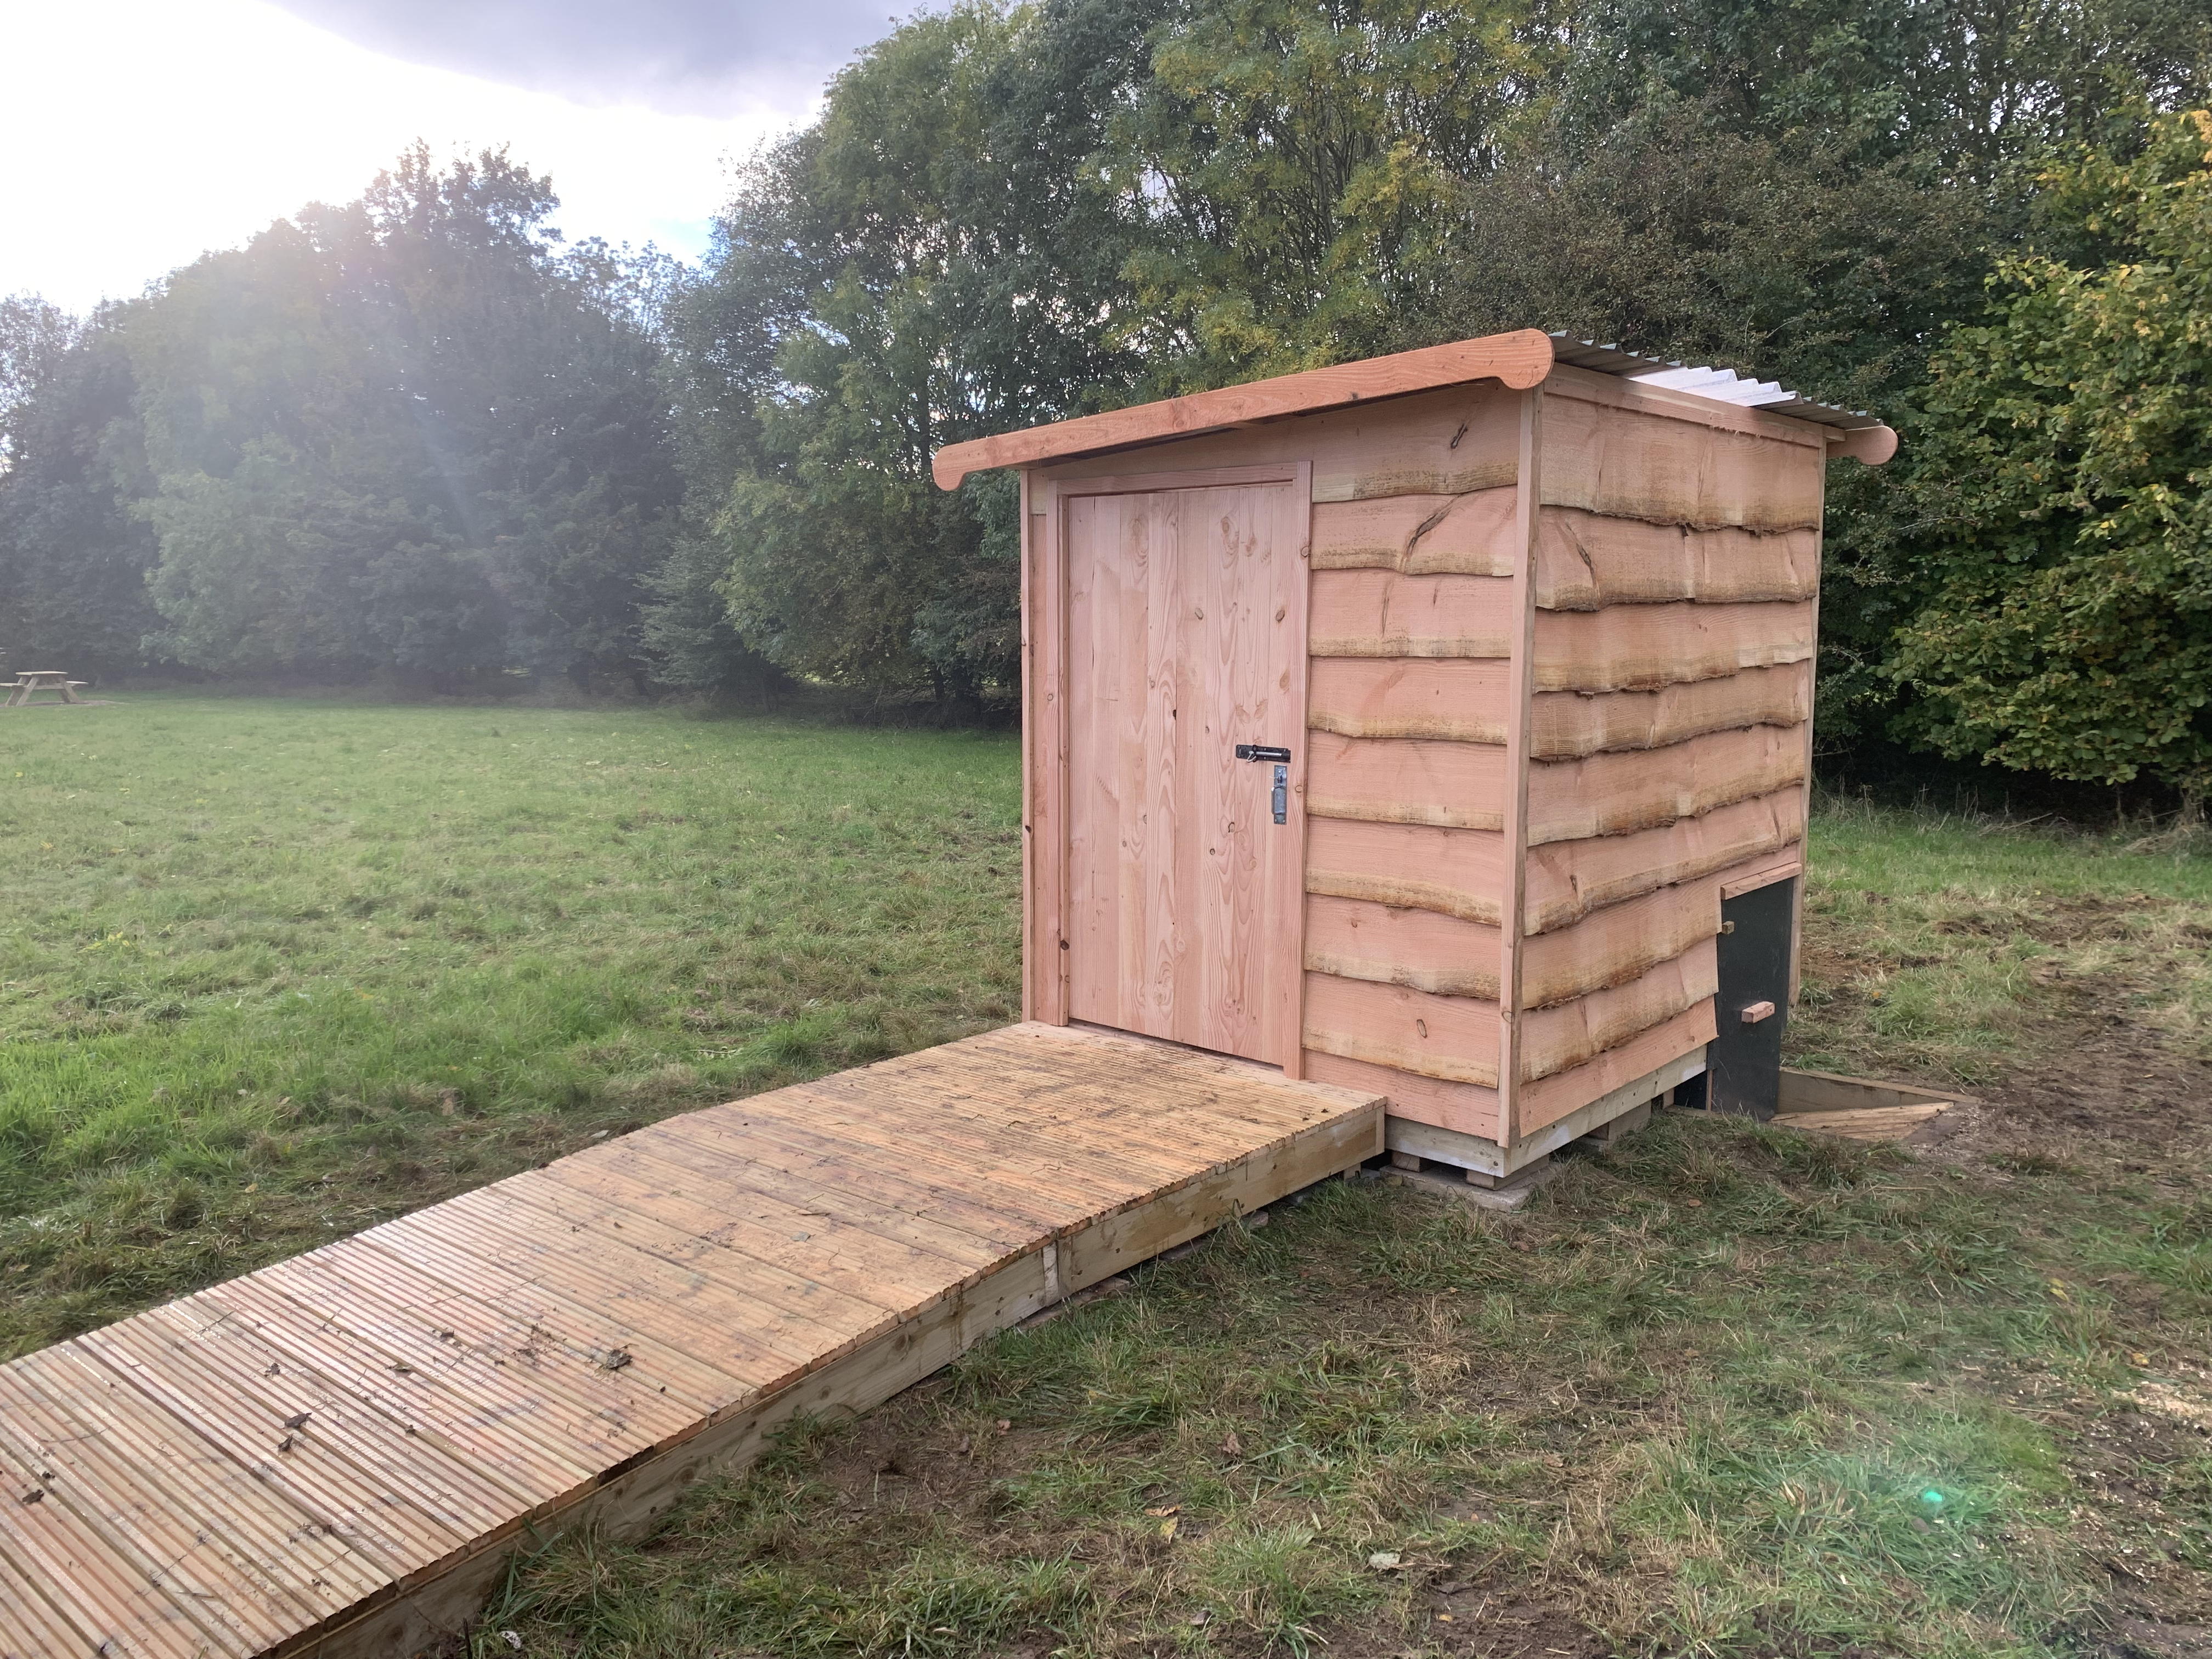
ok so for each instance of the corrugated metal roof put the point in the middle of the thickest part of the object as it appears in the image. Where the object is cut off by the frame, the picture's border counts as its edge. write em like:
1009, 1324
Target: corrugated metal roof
1722, 385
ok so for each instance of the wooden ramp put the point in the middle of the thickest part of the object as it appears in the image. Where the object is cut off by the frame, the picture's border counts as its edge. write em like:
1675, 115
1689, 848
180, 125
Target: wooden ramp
335, 1454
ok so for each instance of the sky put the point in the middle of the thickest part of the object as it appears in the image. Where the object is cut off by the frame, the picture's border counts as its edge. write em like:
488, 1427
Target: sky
140, 133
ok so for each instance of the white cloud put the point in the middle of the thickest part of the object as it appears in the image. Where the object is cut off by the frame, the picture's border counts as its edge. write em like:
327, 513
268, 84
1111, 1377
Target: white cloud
700, 56
139, 133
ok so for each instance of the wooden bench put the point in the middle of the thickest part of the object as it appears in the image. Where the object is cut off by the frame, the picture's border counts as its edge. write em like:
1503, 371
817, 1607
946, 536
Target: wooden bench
29, 682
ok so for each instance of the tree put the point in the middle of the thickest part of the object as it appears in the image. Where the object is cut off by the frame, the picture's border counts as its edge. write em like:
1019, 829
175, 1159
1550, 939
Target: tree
1298, 169
929, 261
34, 334
2063, 470
408, 433
73, 555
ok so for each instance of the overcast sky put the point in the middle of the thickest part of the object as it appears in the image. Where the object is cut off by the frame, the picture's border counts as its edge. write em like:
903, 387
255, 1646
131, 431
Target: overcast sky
138, 133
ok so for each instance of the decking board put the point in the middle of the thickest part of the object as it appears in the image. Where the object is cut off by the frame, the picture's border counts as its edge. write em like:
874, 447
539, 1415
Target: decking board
579, 1341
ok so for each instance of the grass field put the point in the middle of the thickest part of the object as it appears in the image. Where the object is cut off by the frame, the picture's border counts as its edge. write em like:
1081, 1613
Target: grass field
273, 970
278, 969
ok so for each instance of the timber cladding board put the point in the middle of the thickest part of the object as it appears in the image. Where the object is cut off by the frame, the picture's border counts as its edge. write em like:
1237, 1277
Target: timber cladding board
1616, 793
1380, 613
1573, 1033
1448, 442
1583, 560
1453, 1039
1568, 879
1419, 948
1458, 700
1586, 561
1455, 872
1431, 938
1633, 648
1466, 535
1630, 464
1467, 1108
333, 1456
1567, 725
1617, 942
1407, 781
1547, 1099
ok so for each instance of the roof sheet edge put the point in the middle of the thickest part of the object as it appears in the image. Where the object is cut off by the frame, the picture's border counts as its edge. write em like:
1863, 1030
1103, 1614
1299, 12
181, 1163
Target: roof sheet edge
1520, 359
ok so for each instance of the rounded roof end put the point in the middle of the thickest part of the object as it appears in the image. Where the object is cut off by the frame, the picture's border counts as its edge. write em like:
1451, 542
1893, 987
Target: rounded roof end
1869, 444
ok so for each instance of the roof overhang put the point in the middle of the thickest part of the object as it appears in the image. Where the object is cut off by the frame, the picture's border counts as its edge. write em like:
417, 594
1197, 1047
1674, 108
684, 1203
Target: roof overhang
1520, 360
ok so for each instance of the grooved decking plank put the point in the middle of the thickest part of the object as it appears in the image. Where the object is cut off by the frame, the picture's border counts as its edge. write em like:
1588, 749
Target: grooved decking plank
819, 1153
689, 1378
329, 1457
384, 1300
331, 1469
862, 1272
1214, 1094
980, 1155
1038, 1090
751, 1201
29, 1623
110, 1599
768, 1191
144, 1472
487, 1423
686, 1310
1044, 1106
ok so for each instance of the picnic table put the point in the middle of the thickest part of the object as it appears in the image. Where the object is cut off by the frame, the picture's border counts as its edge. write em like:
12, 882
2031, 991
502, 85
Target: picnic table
29, 682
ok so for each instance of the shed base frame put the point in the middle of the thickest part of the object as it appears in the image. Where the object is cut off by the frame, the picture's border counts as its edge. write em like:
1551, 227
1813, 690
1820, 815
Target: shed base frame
1485, 1156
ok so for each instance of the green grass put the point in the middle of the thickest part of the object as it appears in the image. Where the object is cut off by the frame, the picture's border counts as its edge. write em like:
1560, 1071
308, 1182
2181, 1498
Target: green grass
276, 970
279, 968
1695, 1402
1941, 947
1727, 1390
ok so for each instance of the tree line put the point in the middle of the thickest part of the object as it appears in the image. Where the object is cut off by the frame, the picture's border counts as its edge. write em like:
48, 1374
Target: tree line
421, 436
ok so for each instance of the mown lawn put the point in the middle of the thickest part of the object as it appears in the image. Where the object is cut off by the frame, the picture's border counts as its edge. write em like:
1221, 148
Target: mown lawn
271, 970
1727, 1390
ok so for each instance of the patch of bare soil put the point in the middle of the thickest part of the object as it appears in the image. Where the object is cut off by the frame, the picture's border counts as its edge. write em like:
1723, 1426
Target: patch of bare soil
2132, 1462
1482, 1617
2094, 1086
2094, 1082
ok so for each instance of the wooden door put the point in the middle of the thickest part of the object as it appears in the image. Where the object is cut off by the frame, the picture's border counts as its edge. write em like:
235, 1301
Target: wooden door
1185, 636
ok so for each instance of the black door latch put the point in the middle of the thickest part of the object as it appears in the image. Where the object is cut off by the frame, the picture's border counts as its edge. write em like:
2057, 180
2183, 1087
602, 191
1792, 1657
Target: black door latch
1278, 799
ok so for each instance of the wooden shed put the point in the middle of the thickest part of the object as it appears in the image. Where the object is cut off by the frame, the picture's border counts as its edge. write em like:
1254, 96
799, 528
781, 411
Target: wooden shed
1436, 725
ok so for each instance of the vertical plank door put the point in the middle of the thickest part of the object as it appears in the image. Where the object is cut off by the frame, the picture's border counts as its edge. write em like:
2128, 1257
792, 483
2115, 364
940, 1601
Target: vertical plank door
1186, 617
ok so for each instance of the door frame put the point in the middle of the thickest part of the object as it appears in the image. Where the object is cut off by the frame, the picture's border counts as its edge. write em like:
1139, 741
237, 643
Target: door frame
1045, 738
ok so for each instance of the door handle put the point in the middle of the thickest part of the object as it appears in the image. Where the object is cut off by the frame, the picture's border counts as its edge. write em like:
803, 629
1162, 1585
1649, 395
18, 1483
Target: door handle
1757, 1012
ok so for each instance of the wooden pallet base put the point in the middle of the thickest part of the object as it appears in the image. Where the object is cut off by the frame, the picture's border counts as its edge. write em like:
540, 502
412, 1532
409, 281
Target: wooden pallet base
1444, 1181
1475, 1153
